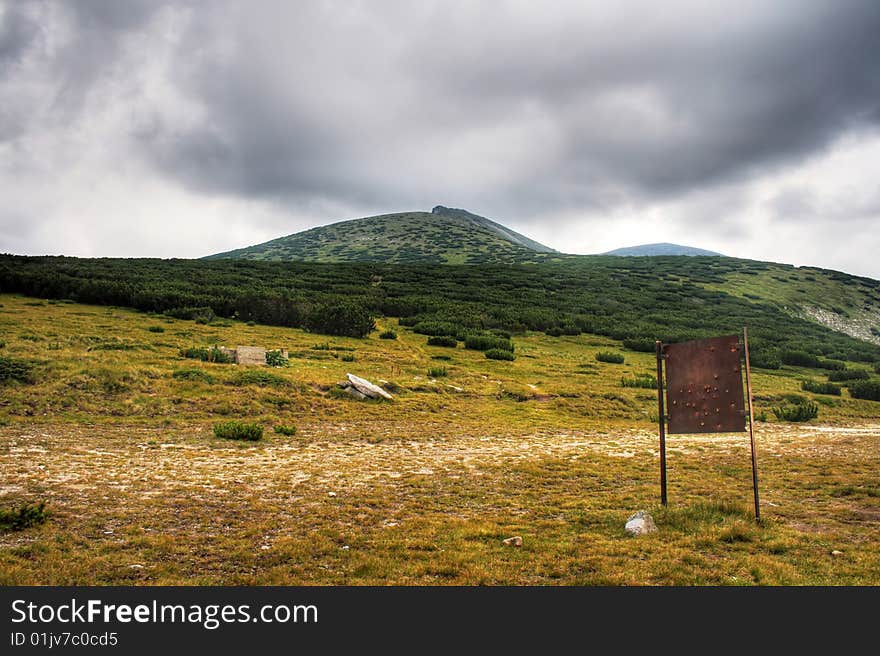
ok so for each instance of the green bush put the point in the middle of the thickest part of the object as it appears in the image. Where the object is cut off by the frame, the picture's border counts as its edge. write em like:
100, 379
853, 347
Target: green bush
238, 430
282, 429
388, 334
609, 356
832, 365
212, 354
500, 354
437, 372
865, 389
22, 517
2, 344
345, 318
193, 374
848, 374
443, 340
820, 388
156, 329
347, 357
797, 412
644, 381
15, 369
487, 343
259, 377
276, 359
436, 328
764, 359
643, 345
799, 359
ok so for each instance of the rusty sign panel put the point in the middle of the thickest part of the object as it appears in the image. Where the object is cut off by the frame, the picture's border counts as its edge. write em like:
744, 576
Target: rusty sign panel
704, 390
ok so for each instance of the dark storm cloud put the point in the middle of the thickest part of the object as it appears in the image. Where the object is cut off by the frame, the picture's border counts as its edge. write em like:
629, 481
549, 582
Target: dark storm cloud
522, 111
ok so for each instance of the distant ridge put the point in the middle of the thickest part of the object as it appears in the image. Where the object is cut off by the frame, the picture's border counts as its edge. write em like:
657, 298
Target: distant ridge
442, 236
647, 250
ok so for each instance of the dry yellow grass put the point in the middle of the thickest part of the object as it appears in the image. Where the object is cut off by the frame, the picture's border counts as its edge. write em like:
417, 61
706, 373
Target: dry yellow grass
418, 491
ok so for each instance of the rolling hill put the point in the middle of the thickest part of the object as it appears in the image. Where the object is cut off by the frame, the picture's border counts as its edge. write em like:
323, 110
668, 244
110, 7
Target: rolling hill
649, 250
442, 236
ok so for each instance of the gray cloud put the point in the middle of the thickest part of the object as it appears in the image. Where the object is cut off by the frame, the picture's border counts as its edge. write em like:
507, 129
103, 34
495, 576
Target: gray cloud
529, 115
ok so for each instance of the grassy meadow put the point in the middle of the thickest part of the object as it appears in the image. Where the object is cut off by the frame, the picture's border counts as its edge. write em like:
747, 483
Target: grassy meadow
113, 430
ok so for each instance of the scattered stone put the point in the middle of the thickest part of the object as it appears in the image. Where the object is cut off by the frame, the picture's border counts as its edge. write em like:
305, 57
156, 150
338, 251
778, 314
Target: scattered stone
515, 541
135, 567
640, 524
331, 494
836, 552
356, 393
367, 388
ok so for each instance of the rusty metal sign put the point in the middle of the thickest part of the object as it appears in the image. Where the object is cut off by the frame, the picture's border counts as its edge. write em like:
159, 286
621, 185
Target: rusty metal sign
704, 387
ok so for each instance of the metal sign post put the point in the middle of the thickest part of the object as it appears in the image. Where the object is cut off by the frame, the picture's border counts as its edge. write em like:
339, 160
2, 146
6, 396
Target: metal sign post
704, 393
751, 422
661, 418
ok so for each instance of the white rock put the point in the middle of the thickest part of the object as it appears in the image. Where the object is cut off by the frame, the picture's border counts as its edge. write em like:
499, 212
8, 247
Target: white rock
640, 523
515, 541
367, 388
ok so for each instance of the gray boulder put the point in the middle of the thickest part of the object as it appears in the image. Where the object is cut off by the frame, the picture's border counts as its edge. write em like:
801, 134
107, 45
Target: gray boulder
640, 524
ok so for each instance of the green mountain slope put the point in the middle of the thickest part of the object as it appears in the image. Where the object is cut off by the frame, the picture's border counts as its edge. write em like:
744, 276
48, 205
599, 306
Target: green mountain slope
442, 236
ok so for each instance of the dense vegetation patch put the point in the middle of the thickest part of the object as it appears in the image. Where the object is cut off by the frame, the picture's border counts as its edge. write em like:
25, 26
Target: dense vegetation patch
238, 430
487, 343
820, 387
212, 354
23, 517
500, 354
639, 299
388, 334
610, 356
15, 369
848, 374
443, 340
797, 412
865, 389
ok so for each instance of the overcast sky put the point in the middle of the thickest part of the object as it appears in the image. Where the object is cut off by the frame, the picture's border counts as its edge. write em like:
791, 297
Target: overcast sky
138, 128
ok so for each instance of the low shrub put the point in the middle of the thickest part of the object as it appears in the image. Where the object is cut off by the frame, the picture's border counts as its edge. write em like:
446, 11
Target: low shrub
388, 334
15, 369
643, 345
445, 358
436, 328
500, 354
443, 340
643, 381
848, 374
24, 516
193, 374
797, 412
820, 388
113, 346
276, 359
238, 430
437, 372
347, 357
156, 329
609, 356
258, 377
212, 354
487, 343
765, 360
831, 365
865, 389
798, 359
283, 429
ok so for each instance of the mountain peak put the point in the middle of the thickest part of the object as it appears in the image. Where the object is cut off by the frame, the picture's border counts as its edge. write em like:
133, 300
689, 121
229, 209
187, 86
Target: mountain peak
443, 236
664, 248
